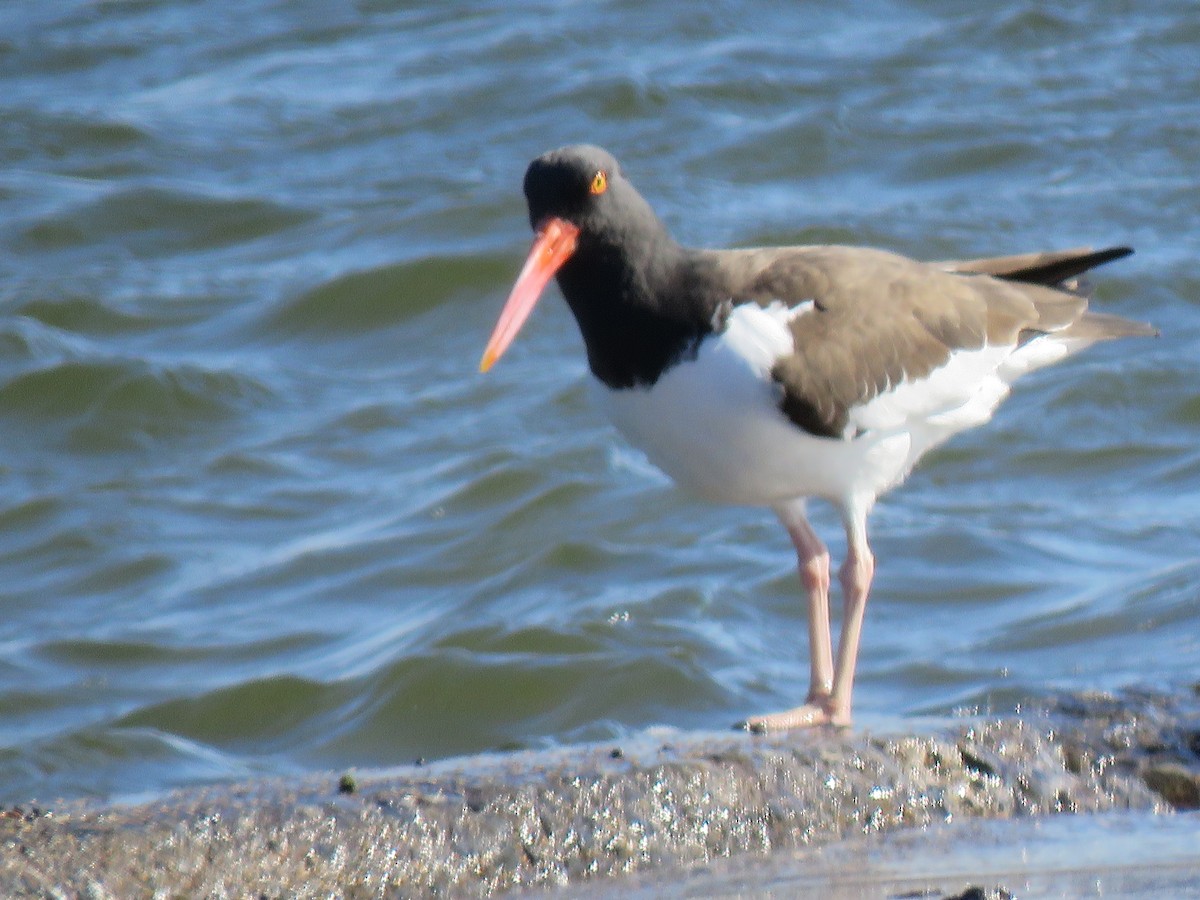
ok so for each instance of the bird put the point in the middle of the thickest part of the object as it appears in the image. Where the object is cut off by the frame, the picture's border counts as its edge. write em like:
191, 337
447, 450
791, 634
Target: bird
772, 376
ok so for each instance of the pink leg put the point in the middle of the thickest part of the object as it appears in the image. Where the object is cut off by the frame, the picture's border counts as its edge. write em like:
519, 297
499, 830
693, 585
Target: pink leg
813, 559
831, 686
856, 575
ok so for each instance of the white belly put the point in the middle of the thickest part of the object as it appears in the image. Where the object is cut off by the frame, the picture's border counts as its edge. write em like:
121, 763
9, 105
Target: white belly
714, 424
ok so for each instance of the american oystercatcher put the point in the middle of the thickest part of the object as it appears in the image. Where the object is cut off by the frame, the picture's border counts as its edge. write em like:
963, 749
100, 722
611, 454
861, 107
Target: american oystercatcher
768, 376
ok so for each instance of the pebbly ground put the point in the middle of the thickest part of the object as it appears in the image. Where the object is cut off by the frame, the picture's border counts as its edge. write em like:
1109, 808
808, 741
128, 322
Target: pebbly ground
665, 806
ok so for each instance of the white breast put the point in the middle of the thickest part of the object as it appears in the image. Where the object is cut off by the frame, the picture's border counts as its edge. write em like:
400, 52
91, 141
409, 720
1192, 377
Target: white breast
715, 426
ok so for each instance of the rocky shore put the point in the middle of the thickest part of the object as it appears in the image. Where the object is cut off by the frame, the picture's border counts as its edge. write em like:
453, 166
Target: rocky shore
577, 816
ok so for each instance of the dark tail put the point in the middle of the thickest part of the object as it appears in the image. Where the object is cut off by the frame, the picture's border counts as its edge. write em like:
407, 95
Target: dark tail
1060, 270
1053, 269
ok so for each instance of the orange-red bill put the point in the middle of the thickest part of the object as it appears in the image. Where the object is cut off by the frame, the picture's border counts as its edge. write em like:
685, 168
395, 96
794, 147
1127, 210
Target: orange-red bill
553, 246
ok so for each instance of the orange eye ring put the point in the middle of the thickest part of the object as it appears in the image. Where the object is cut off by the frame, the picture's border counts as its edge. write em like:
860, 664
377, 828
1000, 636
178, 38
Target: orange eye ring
599, 183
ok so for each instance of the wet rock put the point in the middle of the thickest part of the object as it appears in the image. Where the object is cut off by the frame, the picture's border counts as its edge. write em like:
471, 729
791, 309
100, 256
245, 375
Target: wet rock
1174, 782
485, 824
975, 892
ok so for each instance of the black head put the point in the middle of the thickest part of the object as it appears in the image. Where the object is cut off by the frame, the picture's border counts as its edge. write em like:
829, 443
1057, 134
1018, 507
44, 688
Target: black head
583, 184
623, 276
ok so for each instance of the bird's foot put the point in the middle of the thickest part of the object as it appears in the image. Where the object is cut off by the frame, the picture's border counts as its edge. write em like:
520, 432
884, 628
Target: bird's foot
821, 711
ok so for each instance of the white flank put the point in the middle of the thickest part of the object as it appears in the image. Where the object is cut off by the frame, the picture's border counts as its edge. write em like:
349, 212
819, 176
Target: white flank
715, 426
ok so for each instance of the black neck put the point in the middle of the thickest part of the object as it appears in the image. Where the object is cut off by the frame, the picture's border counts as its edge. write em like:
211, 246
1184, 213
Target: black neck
642, 305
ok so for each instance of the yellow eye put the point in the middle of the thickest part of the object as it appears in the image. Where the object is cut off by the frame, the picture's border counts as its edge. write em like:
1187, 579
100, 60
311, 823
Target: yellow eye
599, 183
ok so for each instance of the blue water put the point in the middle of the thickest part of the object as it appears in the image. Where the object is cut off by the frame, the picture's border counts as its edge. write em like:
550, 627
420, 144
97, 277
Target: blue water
260, 514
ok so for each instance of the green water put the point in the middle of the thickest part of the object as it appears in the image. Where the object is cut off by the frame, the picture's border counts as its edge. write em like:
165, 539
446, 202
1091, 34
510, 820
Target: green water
259, 513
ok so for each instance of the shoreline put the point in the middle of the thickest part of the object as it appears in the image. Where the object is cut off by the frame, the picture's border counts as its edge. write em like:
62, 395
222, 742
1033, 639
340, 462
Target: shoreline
577, 816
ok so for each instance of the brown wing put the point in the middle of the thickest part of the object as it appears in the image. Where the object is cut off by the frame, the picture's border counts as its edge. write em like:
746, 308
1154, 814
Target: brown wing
1061, 269
1057, 268
880, 318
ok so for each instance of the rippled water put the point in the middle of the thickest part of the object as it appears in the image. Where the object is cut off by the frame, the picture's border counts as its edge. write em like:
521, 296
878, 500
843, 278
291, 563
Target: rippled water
259, 513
